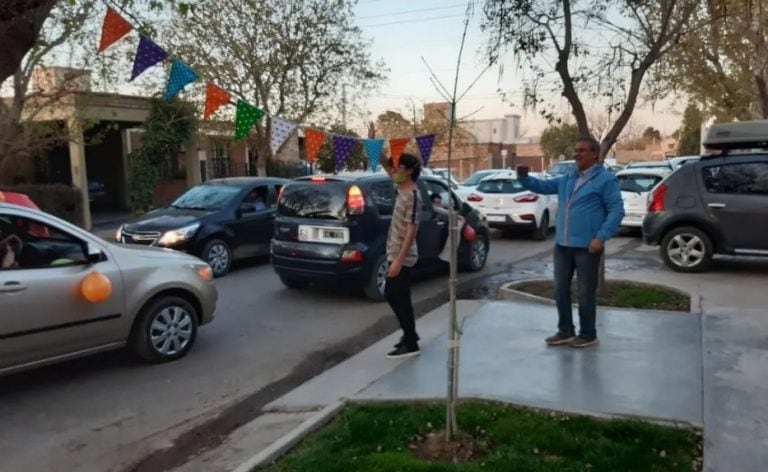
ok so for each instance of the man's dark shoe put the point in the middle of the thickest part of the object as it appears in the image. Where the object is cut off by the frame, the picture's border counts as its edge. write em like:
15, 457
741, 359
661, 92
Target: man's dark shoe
402, 341
581, 341
559, 339
404, 351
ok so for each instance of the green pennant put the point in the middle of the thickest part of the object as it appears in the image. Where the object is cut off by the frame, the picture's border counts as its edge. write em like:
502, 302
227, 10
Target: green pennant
247, 116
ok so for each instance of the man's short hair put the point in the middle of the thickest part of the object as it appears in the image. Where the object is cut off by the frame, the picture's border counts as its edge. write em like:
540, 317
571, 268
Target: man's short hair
594, 144
434, 196
409, 161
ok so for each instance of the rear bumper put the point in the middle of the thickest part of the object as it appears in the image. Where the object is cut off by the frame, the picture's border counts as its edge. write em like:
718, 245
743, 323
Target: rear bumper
319, 263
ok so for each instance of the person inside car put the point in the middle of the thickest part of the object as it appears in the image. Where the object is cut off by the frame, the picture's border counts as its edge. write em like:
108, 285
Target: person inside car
256, 200
8, 248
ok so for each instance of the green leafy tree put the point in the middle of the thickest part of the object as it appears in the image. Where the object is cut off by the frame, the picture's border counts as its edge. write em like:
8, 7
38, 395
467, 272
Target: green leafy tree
291, 58
166, 130
558, 140
651, 135
690, 132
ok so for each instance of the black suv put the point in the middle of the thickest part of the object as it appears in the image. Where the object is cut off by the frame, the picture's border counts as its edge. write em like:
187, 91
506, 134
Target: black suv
333, 229
218, 221
717, 205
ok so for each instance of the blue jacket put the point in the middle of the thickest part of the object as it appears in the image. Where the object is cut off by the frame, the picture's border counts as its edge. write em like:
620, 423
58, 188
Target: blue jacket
593, 211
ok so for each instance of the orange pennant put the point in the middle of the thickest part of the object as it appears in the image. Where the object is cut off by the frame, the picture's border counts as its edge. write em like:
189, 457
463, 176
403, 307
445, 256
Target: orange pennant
215, 97
396, 148
114, 28
313, 139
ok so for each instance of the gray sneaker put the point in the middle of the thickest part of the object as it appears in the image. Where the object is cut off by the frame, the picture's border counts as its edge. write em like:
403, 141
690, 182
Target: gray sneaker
559, 339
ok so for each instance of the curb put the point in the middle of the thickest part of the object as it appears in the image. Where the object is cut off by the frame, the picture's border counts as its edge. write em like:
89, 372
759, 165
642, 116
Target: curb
508, 292
287, 441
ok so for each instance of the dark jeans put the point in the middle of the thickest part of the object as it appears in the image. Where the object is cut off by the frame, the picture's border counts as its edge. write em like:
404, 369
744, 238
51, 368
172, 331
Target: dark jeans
398, 295
567, 261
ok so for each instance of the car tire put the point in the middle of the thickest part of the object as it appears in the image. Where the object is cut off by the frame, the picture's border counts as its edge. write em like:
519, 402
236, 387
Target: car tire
687, 249
218, 255
293, 283
165, 330
374, 288
477, 254
542, 231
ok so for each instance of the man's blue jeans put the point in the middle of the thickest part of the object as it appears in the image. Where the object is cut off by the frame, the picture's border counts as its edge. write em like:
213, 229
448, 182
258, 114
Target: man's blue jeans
567, 261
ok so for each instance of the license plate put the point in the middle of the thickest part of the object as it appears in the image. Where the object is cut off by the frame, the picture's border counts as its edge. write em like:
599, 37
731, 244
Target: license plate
497, 218
323, 234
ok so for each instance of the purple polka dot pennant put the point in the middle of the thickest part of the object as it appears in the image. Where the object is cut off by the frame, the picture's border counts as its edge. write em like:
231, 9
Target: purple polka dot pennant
342, 147
147, 55
425, 144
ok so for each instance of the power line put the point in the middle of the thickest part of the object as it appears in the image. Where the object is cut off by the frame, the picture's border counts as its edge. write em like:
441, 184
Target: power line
412, 21
405, 12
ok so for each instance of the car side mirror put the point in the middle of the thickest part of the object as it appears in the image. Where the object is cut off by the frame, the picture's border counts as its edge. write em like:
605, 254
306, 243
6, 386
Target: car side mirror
92, 253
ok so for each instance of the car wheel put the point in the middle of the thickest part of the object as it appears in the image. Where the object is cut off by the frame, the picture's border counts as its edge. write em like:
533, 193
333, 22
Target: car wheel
477, 254
218, 255
166, 330
293, 283
687, 249
541, 233
374, 289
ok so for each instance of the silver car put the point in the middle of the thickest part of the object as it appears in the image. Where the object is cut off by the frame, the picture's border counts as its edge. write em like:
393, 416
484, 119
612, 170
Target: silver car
158, 297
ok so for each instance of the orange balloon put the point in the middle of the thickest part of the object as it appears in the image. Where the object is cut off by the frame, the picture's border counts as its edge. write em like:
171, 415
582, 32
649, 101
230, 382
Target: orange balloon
96, 287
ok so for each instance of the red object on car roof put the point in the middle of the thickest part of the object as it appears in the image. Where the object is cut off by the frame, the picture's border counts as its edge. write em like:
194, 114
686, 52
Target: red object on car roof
17, 199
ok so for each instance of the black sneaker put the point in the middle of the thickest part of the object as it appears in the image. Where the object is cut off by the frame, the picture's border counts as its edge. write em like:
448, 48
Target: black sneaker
402, 342
403, 352
559, 339
582, 341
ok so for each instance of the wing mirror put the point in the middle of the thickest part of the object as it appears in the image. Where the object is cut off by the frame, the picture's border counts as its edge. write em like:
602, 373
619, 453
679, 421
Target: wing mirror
93, 254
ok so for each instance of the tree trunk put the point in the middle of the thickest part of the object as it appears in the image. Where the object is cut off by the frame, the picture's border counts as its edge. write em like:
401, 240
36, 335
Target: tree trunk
20, 24
762, 91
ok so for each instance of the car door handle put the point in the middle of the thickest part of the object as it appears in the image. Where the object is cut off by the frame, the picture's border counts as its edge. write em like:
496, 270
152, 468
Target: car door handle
441, 223
12, 287
716, 205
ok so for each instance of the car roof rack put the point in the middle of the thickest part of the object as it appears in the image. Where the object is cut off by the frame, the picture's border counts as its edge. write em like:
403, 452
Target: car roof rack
743, 135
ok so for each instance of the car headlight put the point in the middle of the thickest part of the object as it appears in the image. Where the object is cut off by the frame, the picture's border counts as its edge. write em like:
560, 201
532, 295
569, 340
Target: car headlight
170, 238
119, 234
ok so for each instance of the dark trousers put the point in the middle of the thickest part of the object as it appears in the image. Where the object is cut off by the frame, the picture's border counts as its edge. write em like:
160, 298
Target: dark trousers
567, 261
398, 294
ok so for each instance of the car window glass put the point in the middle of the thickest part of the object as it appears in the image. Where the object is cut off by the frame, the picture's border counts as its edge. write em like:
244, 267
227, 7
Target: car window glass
207, 197
29, 244
638, 183
273, 200
743, 178
500, 186
257, 198
434, 188
383, 195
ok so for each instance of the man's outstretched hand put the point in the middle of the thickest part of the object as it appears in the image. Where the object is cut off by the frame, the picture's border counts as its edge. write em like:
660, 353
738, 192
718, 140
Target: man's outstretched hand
522, 172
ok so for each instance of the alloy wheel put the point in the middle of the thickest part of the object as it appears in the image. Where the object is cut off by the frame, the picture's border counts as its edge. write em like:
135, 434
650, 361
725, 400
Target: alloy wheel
686, 250
171, 330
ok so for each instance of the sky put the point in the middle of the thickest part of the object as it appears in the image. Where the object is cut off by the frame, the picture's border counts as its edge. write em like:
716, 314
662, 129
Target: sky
403, 31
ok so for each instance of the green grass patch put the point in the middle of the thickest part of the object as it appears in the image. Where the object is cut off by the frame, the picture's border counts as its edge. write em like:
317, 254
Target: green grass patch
620, 294
380, 437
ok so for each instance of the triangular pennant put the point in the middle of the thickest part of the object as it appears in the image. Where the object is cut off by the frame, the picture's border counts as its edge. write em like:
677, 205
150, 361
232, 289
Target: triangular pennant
113, 28
373, 149
280, 131
180, 76
215, 97
342, 147
313, 139
147, 55
425, 144
247, 115
396, 148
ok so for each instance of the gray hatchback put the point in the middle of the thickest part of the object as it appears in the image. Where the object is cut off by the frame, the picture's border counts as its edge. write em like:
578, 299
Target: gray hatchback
50, 310
717, 205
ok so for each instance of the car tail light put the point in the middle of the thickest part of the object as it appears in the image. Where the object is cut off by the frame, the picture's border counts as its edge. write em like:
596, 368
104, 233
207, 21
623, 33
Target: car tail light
475, 198
528, 217
527, 198
656, 203
352, 256
355, 201
317, 178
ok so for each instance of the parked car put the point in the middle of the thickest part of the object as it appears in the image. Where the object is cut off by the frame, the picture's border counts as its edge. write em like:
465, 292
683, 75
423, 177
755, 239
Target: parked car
636, 185
562, 168
678, 162
218, 221
333, 229
470, 183
158, 297
716, 205
507, 205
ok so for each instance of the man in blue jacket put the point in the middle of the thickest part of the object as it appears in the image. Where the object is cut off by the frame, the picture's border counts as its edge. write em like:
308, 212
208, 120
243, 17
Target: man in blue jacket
589, 212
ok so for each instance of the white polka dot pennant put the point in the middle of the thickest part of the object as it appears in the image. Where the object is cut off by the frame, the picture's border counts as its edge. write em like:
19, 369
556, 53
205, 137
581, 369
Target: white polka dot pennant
281, 131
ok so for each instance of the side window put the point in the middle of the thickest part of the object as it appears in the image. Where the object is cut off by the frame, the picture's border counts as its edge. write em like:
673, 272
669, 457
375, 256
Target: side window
30, 244
258, 198
383, 196
435, 189
746, 178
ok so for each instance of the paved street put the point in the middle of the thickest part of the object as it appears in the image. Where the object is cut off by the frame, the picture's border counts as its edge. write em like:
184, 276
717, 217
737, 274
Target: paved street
106, 412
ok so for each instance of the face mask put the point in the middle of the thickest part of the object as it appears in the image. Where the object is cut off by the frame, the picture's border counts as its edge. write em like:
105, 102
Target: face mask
399, 177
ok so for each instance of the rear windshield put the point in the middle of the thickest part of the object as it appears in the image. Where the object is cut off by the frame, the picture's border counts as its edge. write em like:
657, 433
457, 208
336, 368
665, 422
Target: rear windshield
314, 199
500, 186
638, 183
475, 178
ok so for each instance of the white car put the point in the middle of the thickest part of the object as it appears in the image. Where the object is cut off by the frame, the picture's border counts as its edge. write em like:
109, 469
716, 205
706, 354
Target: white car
470, 183
636, 184
507, 205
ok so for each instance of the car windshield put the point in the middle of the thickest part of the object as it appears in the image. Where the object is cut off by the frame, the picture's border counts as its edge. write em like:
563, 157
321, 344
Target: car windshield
475, 178
638, 183
206, 197
500, 186
562, 168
